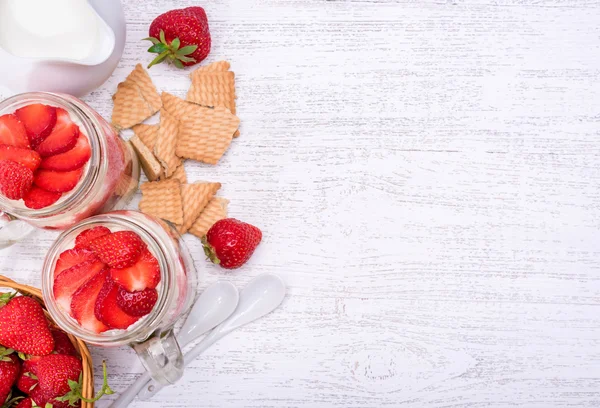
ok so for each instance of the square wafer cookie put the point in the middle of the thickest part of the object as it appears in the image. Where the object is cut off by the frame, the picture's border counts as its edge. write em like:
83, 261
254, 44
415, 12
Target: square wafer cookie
215, 210
130, 107
162, 199
147, 134
195, 197
213, 67
213, 89
150, 165
166, 142
139, 76
206, 136
179, 174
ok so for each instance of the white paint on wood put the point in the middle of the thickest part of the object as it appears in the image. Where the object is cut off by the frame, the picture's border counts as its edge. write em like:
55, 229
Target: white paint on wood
426, 176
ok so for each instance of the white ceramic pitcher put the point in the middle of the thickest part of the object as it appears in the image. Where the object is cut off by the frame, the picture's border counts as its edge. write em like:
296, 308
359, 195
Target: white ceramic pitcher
75, 76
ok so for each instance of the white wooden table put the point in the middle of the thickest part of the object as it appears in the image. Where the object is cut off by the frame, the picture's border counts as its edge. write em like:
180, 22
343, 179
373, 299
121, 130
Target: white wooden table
426, 174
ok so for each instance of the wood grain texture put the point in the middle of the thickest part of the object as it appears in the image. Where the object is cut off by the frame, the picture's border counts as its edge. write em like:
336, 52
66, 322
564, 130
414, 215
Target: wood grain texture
426, 176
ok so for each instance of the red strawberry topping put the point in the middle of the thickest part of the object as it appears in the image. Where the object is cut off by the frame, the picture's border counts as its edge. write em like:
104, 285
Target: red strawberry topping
85, 237
27, 157
38, 120
63, 136
118, 249
180, 37
107, 310
84, 302
23, 327
57, 181
72, 159
71, 279
15, 179
12, 132
144, 274
72, 257
37, 198
137, 303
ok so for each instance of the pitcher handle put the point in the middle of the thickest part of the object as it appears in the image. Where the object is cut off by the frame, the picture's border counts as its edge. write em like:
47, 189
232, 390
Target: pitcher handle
12, 230
161, 357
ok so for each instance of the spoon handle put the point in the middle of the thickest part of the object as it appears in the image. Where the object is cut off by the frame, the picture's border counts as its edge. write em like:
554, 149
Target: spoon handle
129, 394
151, 387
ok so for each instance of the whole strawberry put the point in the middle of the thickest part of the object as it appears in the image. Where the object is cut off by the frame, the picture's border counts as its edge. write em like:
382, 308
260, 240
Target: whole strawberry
180, 37
230, 242
23, 326
9, 372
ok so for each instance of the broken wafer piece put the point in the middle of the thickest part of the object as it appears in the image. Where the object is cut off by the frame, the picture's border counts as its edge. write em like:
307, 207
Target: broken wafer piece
195, 197
179, 174
215, 210
213, 67
166, 142
130, 107
162, 199
139, 76
150, 165
207, 135
178, 107
213, 89
147, 134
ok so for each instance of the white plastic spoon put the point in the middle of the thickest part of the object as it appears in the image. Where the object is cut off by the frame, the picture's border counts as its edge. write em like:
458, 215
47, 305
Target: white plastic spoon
261, 296
212, 307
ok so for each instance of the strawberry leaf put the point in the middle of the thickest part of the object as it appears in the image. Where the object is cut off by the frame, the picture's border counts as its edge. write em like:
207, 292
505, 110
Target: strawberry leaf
162, 37
185, 59
175, 44
188, 49
6, 297
160, 58
152, 40
178, 63
158, 48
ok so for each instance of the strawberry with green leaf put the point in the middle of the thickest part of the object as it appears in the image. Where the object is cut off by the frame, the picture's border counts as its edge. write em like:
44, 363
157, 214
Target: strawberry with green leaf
9, 372
180, 37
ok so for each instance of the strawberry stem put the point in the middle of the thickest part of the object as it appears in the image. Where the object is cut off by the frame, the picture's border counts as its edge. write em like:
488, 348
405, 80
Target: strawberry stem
76, 390
209, 251
170, 52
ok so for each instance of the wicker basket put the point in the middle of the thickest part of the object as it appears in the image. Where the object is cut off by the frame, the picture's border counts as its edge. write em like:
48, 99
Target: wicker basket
86, 358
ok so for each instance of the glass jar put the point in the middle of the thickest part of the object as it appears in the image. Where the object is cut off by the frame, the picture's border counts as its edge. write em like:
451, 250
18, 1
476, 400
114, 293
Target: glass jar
152, 336
109, 180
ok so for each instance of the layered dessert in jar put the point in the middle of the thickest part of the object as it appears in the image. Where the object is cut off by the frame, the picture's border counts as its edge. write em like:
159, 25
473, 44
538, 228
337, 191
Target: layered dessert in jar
116, 278
60, 161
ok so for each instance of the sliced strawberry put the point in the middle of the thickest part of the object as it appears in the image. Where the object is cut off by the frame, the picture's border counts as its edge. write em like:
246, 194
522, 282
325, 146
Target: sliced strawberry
107, 310
12, 132
62, 343
57, 181
72, 257
137, 303
72, 159
84, 302
38, 119
37, 198
63, 136
71, 279
27, 157
144, 274
118, 249
15, 179
84, 238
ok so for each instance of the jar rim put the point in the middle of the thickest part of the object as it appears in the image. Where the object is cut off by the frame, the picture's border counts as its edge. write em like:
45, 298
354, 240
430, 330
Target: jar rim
145, 326
94, 168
